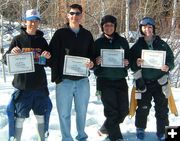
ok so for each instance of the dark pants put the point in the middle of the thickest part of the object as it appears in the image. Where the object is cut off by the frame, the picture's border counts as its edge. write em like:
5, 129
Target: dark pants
115, 100
154, 91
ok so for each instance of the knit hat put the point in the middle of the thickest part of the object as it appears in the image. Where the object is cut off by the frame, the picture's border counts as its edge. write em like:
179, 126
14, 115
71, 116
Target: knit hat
32, 14
108, 19
147, 21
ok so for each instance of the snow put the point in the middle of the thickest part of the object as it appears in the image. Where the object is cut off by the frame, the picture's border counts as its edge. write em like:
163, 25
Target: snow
94, 120
95, 116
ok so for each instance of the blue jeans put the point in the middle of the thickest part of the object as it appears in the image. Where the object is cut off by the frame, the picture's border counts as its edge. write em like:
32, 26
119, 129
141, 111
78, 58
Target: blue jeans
66, 91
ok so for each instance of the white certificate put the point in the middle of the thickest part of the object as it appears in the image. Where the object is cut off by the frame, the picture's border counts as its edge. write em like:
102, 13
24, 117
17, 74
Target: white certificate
153, 59
20, 63
76, 66
112, 58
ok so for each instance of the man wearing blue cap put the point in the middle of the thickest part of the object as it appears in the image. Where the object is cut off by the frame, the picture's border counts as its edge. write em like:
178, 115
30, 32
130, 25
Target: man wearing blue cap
31, 88
151, 82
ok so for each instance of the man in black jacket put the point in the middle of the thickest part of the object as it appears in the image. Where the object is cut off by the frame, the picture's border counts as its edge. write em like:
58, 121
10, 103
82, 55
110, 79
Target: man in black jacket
31, 88
72, 41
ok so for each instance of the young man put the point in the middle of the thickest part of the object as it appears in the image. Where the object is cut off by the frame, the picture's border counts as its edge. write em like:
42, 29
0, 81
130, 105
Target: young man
151, 82
111, 81
32, 92
76, 41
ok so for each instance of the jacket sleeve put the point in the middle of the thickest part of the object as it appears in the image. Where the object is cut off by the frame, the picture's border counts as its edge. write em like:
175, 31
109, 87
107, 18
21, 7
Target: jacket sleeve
53, 49
127, 52
133, 58
169, 57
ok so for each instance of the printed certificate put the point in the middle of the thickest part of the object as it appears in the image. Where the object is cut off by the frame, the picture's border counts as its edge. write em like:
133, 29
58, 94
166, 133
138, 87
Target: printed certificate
20, 63
153, 59
76, 66
112, 58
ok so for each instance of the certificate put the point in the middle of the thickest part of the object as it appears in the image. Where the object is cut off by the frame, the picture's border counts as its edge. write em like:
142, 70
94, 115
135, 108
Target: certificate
20, 63
153, 59
76, 66
112, 58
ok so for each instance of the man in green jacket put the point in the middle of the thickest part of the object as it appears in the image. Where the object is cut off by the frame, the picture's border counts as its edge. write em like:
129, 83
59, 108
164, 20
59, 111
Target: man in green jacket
111, 75
151, 82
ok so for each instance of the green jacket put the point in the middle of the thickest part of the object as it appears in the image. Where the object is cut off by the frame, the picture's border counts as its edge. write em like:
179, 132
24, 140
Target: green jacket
117, 42
158, 44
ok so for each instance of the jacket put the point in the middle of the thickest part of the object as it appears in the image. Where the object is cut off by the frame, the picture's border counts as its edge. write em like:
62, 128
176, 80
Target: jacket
158, 44
66, 42
117, 42
30, 43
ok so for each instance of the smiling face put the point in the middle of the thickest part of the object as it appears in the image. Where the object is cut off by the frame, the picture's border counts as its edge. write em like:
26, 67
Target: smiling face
32, 25
109, 28
74, 16
147, 30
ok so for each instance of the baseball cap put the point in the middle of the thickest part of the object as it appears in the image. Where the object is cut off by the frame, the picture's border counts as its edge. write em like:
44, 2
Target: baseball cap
32, 14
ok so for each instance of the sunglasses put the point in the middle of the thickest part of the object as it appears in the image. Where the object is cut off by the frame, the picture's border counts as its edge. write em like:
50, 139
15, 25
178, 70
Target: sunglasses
75, 13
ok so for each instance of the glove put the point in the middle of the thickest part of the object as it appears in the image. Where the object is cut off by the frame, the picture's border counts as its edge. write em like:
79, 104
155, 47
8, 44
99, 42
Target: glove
163, 81
139, 82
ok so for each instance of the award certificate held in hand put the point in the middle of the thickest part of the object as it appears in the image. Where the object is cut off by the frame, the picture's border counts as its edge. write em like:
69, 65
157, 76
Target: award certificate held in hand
75, 65
112, 58
153, 59
20, 63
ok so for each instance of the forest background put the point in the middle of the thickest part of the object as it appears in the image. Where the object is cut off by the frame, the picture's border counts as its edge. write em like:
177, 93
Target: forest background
128, 13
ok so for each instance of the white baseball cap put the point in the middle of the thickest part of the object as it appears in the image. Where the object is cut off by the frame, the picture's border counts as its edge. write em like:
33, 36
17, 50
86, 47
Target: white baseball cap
32, 14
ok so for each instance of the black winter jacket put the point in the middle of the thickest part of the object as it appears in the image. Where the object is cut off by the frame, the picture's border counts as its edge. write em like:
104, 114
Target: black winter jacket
66, 42
30, 43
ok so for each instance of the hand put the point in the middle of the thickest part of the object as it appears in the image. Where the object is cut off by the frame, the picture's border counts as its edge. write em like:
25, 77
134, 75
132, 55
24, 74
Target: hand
16, 50
46, 54
98, 60
90, 64
139, 62
126, 62
165, 68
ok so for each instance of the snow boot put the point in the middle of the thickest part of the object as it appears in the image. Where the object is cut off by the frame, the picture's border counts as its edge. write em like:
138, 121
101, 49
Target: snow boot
161, 137
102, 130
140, 133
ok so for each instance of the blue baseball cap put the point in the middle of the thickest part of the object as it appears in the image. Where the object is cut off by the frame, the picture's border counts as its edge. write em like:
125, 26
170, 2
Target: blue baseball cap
32, 14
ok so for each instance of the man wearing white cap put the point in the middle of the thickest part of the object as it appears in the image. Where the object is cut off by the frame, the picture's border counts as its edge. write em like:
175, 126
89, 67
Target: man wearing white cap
31, 88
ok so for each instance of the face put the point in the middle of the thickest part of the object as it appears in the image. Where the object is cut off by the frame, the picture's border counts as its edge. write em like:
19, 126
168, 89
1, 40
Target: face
147, 30
109, 28
74, 16
32, 25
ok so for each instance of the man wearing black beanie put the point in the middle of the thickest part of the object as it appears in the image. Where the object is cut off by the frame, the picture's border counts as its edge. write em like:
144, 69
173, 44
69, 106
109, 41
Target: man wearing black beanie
111, 82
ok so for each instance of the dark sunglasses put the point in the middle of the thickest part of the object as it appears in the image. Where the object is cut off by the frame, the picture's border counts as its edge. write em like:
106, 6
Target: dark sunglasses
75, 13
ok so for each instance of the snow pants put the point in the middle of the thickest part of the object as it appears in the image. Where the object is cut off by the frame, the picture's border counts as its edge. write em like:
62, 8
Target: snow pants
116, 104
154, 90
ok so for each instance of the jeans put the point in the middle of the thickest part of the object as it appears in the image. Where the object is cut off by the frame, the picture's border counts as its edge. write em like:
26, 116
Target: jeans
66, 92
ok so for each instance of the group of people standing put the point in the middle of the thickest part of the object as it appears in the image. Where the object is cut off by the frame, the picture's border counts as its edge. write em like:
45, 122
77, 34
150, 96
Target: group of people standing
74, 40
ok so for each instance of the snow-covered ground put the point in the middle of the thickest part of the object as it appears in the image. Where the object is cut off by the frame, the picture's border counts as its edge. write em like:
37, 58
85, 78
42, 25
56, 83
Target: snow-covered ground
95, 116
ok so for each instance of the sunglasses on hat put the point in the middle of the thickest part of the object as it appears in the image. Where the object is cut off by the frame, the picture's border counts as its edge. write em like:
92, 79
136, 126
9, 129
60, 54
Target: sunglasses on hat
147, 21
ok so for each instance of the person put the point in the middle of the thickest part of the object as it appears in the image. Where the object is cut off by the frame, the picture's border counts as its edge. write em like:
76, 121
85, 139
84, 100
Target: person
111, 81
31, 91
151, 81
75, 41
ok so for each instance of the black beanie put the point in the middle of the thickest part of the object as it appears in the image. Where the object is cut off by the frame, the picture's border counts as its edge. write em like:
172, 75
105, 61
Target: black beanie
108, 18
